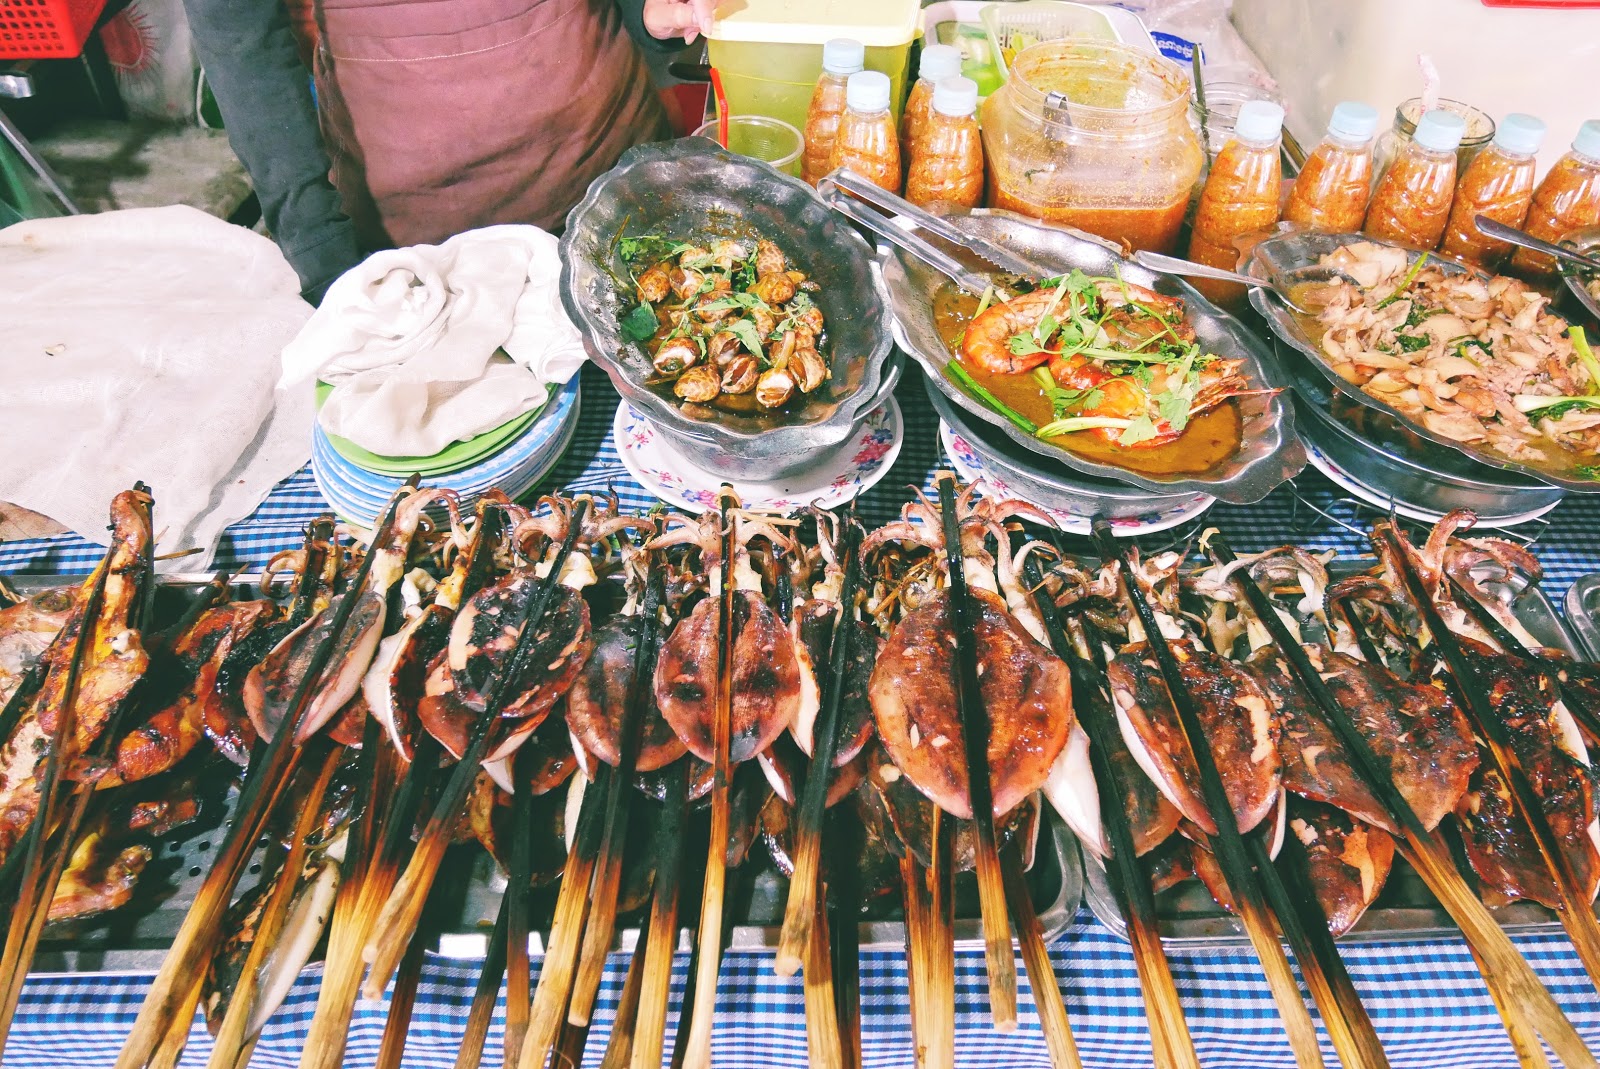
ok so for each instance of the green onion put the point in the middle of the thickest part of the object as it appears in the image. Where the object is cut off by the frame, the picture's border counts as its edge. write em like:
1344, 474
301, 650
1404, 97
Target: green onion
1405, 283
988, 296
1580, 345
1081, 423
1042, 377
971, 385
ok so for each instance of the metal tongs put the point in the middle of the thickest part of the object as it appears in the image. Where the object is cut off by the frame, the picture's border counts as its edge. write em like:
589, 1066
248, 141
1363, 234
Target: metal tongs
850, 195
1280, 285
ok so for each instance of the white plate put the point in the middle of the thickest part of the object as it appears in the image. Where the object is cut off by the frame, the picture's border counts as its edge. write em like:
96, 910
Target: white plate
969, 465
850, 470
1379, 500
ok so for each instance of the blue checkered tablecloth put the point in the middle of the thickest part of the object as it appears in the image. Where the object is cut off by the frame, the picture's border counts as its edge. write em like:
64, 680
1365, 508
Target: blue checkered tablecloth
1429, 1005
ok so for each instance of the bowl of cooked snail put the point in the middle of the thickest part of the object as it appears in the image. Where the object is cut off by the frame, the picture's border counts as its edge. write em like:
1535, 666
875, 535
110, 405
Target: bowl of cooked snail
729, 306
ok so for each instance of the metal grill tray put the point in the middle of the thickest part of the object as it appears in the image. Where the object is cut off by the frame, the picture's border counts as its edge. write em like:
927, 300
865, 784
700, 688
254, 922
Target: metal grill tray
467, 896
1405, 910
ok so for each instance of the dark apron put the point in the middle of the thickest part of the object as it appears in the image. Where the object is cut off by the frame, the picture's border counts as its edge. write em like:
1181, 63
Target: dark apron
445, 115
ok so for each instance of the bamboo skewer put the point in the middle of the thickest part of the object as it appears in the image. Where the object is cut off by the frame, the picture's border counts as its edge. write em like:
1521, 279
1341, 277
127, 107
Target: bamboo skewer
391, 933
843, 910
470, 1054
614, 824
998, 952
650, 1023
403, 1001
1577, 913
1170, 1043
1228, 844
801, 907
1041, 974
619, 1045
697, 1049
914, 888
519, 881
264, 784
235, 1034
824, 1044
1515, 987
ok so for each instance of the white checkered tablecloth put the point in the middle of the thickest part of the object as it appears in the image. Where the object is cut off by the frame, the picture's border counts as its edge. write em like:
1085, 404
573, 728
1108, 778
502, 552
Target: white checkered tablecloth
1426, 999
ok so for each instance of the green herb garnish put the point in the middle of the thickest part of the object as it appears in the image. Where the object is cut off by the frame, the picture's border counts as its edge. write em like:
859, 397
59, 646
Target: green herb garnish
972, 386
1405, 283
640, 324
1412, 343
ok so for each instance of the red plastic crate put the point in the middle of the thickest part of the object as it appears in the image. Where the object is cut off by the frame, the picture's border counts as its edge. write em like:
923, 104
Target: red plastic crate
46, 29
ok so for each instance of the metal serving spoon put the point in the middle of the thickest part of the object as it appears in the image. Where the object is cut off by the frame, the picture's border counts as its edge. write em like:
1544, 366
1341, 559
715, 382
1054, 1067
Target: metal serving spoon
1495, 229
1280, 284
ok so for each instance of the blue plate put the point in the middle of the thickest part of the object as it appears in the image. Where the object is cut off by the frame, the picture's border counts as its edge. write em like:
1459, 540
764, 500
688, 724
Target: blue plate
530, 450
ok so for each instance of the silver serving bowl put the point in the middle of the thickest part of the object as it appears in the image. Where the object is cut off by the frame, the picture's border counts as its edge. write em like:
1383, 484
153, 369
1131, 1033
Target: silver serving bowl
1302, 249
1270, 452
693, 190
1585, 241
1051, 485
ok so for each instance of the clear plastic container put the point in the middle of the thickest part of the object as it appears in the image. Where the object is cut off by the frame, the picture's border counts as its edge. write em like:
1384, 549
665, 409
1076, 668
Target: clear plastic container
1223, 101
868, 143
841, 57
1411, 203
761, 138
937, 63
1096, 136
947, 157
1498, 183
1241, 193
1019, 25
1475, 137
769, 52
1567, 199
1331, 191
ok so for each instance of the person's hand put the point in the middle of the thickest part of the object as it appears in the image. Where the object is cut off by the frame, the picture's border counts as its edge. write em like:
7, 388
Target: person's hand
671, 18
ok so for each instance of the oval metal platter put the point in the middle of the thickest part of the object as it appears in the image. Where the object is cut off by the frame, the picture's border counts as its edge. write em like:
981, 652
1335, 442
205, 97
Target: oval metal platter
1280, 254
1269, 452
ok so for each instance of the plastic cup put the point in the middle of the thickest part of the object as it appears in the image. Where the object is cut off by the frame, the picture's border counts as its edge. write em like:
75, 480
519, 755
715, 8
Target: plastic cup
769, 140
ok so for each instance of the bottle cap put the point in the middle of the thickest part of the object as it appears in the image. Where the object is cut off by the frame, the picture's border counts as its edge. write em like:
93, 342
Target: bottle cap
940, 62
843, 56
957, 97
867, 91
1519, 133
1353, 121
1259, 120
1439, 130
1587, 143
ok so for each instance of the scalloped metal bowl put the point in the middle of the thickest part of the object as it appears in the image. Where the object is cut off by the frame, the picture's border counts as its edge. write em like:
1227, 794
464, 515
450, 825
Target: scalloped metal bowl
1586, 241
1269, 454
1290, 251
694, 190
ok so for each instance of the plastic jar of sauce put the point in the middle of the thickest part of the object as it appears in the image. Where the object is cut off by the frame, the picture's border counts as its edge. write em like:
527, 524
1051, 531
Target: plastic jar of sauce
1241, 193
867, 142
1568, 199
1412, 201
1474, 139
1498, 183
947, 157
938, 62
1332, 189
841, 57
1094, 135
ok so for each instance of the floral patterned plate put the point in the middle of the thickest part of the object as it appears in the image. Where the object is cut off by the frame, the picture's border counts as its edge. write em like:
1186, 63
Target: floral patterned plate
847, 472
970, 465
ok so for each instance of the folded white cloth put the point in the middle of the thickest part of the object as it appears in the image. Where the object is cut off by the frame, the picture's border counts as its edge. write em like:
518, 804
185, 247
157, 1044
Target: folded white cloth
433, 344
144, 344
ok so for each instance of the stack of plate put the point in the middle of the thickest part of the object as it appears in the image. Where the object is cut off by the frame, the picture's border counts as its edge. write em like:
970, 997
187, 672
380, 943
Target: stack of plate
513, 457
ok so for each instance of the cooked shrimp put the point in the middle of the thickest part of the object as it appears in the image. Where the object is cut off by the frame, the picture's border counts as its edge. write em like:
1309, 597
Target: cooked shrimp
987, 342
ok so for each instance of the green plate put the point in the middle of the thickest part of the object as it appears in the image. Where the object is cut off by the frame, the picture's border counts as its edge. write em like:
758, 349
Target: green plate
454, 457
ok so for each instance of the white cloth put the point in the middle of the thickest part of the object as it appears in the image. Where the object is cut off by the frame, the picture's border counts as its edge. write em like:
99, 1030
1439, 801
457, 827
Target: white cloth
144, 344
409, 340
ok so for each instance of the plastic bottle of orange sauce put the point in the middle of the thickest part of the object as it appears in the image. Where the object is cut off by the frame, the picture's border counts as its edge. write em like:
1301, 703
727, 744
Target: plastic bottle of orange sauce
947, 157
1497, 183
1241, 194
1333, 187
867, 141
938, 63
1412, 201
1568, 199
841, 57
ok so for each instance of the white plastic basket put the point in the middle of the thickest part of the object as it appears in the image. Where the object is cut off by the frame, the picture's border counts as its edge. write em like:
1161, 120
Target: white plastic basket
1014, 26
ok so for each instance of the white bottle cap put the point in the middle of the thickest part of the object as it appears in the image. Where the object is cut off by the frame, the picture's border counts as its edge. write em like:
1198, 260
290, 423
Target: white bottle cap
843, 56
1439, 130
1520, 134
867, 91
1353, 121
957, 97
1587, 143
1259, 120
940, 62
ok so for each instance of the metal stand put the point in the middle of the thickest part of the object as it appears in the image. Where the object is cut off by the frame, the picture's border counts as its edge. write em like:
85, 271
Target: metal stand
17, 84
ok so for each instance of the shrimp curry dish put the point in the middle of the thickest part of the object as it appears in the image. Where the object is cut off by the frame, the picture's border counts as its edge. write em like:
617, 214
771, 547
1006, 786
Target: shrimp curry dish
1101, 367
733, 325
